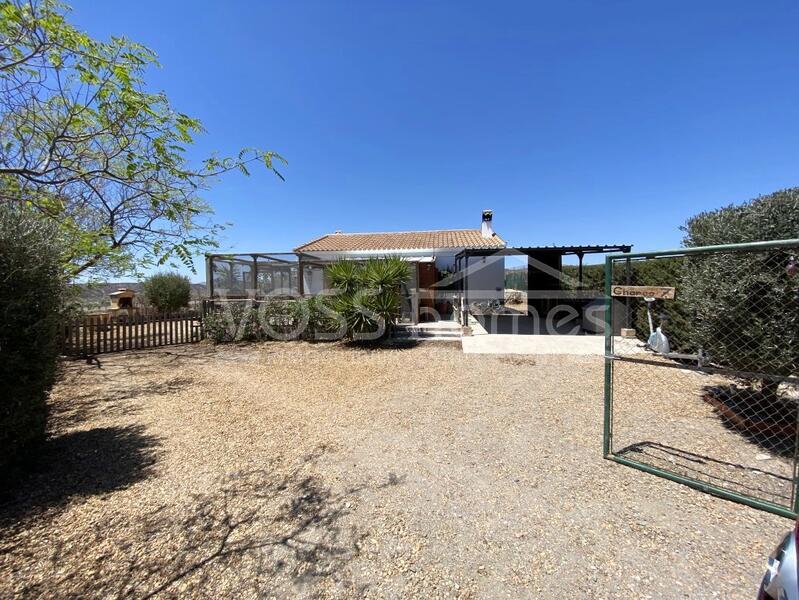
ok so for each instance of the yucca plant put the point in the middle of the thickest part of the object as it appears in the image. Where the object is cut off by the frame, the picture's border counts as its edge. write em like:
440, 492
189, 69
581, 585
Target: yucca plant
345, 276
386, 304
385, 273
368, 294
361, 319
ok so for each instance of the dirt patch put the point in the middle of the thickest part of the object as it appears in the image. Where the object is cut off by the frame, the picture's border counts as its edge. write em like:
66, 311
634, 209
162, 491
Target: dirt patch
520, 360
318, 470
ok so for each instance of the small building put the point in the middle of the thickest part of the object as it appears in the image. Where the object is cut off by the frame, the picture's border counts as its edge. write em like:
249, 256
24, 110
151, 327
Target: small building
122, 299
302, 273
455, 274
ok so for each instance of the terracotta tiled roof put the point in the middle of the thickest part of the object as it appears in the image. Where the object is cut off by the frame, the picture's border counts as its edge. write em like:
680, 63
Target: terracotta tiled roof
401, 240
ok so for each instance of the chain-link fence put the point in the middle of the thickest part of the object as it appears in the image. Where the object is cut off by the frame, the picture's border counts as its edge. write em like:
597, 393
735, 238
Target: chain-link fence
702, 369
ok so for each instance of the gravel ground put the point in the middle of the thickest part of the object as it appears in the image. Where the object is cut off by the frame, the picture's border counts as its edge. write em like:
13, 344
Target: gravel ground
661, 419
326, 471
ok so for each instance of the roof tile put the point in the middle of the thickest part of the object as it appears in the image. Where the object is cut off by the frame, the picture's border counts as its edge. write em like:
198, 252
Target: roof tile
401, 240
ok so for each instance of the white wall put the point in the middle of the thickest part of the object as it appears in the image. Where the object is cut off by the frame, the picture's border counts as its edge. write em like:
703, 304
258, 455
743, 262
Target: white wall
313, 280
486, 274
486, 278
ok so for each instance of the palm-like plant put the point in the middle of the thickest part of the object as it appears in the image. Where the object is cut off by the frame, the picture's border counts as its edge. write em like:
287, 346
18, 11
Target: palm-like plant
387, 305
368, 294
361, 319
385, 273
345, 276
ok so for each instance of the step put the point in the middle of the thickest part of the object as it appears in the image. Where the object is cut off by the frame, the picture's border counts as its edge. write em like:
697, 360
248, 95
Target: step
429, 334
438, 330
427, 337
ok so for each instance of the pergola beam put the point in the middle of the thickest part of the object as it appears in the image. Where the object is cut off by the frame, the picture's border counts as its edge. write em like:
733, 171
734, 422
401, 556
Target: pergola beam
562, 250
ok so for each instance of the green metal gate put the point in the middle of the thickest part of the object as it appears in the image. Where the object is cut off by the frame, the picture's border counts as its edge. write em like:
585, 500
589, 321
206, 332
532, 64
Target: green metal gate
712, 400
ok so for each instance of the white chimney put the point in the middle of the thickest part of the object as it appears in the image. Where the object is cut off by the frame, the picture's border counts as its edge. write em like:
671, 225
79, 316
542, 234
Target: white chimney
486, 228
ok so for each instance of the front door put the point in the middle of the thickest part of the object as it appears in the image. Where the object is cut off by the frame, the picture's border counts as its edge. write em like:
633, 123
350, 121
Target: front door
428, 276
409, 298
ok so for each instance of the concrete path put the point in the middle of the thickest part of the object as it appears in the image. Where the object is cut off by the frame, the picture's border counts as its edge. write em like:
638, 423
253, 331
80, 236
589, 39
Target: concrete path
585, 345
534, 344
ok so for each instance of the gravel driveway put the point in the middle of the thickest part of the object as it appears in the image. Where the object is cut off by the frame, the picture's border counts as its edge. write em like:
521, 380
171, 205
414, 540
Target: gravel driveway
322, 470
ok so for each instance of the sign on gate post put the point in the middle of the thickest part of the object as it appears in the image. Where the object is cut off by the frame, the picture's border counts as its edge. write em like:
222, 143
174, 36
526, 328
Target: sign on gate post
644, 291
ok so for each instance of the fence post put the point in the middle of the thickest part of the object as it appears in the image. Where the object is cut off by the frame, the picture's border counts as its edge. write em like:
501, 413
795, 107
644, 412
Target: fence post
608, 392
88, 335
93, 334
83, 334
64, 340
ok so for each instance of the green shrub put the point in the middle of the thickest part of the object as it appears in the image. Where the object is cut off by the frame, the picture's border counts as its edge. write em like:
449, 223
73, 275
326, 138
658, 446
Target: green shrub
281, 319
31, 295
167, 291
593, 277
345, 275
310, 319
231, 322
745, 305
324, 323
771, 217
368, 297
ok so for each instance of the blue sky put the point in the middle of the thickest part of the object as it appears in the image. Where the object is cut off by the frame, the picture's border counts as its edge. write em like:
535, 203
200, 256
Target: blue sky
576, 122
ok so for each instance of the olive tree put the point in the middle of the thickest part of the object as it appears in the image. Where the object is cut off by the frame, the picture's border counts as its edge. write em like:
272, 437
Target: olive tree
32, 290
744, 306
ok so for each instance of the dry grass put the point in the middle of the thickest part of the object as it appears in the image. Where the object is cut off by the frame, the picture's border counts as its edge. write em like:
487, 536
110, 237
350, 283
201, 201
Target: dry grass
329, 471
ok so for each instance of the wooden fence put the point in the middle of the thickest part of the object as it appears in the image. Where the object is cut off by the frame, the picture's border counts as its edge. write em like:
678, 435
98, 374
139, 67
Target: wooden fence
97, 334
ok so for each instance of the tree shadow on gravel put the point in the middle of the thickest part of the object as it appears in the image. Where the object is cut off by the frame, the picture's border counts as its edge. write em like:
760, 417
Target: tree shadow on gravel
76, 464
397, 344
275, 531
768, 422
80, 408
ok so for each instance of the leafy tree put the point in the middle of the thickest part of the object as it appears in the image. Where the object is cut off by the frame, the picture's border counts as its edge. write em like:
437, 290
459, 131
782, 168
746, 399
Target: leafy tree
167, 291
368, 294
744, 306
31, 293
88, 146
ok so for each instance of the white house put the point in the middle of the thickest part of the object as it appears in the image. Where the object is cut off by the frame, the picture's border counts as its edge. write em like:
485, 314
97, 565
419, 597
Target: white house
432, 253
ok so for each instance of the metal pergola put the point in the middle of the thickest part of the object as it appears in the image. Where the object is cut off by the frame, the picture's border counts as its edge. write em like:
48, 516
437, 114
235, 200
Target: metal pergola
533, 251
248, 273
545, 264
